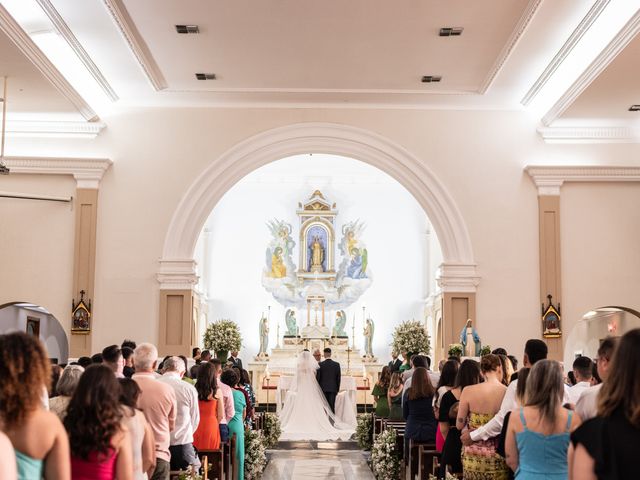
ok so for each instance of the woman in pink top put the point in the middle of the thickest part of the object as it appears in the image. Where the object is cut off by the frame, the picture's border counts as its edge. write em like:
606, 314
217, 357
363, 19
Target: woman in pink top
100, 445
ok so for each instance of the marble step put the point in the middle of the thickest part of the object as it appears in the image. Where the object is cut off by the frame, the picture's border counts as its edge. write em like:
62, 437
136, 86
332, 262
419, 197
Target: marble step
313, 445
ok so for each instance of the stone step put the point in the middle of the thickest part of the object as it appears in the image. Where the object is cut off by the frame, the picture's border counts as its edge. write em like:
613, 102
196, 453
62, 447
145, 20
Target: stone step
314, 445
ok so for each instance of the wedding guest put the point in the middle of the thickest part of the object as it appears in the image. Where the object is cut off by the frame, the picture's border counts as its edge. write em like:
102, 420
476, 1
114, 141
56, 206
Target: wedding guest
249, 413
538, 433
205, 356
406, 363
417, 410
38, 437
587, 404
195, 354
379, 392
211, 408
417, 361
227, 402
84, 362
606, 447
447, 382
129, 344
521, 399
56, 371
127, 357
499, 351
143, 456
100, 445
595, 377
112, 358
514, 364
187, 415
96, 358
66, 386
234, 360
394, 396
7, 459
186, 377
395, 363
245, 384
478, 405
507, 369
582, 372
236, 425
158, 403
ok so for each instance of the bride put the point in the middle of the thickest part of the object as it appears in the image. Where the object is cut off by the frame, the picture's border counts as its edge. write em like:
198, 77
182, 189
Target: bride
306, 415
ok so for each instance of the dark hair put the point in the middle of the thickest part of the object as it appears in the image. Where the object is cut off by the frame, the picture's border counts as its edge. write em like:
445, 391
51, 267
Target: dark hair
421, 386
194, 351
507, 369
206, 383
56, 371
499, 351
419, 361
127, 353
622, 388
245, 377
427, 359
84, 362
447, 376
454, 359
205, 353
111, 354
572, 377
468, 374
215, 362
521, 386
607, 347
96, 358
129, 392
327, 350
535, 350
385, 377
514, 362
24, 370
583, 366
594, 373
94, 414
229, 377
490, 363
129, 343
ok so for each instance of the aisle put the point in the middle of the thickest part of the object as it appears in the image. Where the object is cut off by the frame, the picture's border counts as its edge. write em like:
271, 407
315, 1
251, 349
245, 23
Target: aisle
314, 464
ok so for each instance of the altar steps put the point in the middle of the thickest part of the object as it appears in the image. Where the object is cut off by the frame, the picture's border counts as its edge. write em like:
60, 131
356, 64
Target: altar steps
313, 445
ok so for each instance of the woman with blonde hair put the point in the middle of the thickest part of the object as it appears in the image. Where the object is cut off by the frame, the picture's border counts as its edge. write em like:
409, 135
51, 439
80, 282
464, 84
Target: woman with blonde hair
394, 396
538, 433
66, 386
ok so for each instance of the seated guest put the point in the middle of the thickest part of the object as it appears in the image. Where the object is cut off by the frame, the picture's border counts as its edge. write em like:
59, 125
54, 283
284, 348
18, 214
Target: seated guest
127, 357
38, 437
187, 415
7, 459
587, 404
394, 396
607, 446
210, 407
100, 444
66, 386
446, 383
417, 410
236, 425
142, 441
158, 403
582, 373
380, 390
245, 384
538, 433
112, 358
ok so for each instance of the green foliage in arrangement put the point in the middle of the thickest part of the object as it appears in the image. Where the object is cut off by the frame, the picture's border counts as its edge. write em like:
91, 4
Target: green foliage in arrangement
222, 336
412, 337
364, 431
385, 461
255, 454
271, 430
455, 350
485, 350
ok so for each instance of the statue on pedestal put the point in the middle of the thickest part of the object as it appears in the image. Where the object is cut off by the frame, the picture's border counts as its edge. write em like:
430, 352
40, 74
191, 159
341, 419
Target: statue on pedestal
264, 336
291, 323
470, 340
369, 328
338, 327
317, 255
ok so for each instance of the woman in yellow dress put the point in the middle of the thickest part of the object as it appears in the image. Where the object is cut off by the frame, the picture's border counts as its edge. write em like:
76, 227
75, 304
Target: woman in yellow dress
278, 269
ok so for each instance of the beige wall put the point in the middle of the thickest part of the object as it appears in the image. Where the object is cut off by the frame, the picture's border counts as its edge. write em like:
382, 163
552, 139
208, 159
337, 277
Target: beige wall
478, 156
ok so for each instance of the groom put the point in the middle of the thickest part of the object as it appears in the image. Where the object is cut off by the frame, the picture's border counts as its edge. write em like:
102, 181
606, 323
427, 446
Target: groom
329, 378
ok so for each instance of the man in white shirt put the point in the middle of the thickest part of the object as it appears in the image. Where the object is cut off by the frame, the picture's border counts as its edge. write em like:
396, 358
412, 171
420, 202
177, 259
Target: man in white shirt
587, 404
583, 371
227, 397
187, 415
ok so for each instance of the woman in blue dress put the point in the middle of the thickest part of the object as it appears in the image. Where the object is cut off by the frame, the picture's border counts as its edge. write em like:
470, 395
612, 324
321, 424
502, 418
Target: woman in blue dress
236, 424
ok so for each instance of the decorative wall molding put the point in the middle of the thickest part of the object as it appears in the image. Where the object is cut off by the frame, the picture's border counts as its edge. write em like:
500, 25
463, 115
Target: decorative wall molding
87, 171
458, 277
177, 274
63, 29
619, 43
589, 134
550, 178
582, 28
136, 43
53, 129
27, 46
513, 40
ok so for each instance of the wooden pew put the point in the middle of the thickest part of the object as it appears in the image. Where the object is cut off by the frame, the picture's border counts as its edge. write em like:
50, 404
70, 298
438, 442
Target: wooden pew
421, 459
214, 459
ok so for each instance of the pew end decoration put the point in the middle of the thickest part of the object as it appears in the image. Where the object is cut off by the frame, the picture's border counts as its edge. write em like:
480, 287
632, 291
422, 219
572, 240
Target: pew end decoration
385, 460
411, 336
271, 430
364, 431
255, 454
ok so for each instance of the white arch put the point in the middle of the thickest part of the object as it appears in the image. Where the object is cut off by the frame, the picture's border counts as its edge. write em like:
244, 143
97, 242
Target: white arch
302, 138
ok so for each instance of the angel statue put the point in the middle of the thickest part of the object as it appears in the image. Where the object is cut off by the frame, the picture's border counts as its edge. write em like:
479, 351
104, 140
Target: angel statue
264, 336
292, 324
368, 337
338, 327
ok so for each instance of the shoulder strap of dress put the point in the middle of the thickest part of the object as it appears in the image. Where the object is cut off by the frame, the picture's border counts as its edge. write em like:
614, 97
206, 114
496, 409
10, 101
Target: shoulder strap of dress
569, 420
524, 422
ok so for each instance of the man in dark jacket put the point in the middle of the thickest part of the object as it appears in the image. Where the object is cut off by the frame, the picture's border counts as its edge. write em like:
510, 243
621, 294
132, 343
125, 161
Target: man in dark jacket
328, 376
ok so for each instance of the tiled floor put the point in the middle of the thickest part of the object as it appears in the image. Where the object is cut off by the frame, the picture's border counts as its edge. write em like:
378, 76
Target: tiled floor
317, 464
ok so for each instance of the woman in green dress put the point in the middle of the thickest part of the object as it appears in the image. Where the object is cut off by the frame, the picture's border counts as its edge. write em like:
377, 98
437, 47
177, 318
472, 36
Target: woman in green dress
394, 397
380, 390
406, 365
236, 424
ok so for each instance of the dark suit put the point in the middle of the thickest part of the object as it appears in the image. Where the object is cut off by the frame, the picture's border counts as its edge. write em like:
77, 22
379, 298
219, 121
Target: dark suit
394, 365
235, 362
328, 376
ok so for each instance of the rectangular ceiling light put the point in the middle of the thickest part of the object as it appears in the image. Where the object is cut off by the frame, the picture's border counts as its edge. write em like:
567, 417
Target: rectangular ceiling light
206, 76
184, 29
451, 31
431, 78
634, 108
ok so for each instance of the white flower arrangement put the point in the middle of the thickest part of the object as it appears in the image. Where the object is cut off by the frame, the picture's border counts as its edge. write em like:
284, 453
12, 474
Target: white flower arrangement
271, 430
455, 350
364, 431
385, 461
411, 337
222, 336
255, 454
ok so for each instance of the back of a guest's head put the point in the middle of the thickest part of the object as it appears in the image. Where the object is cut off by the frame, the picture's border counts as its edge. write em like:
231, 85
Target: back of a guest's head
396, 380
499, 351
571, 377
69, 380
205, 356
129, 392
94, 413
216, 363
448, 374
145, 357
185, 362
127, 353
419, 361
535, 350
490, 363
621, 390
582, 368
507, 369
421, 386
195, 352
25, 371
607, 347
84, 362
545, 389
173, 364
246, 379
427, 359
129, 344
96, 358
468, 374
112, 356
206, 382
385, 377
454, 359
56, 372
514, 362
521, 386
229, 377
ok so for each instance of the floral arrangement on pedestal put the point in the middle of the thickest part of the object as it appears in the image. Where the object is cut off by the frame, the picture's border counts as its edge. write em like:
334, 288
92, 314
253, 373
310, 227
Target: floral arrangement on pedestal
222, 336
412, 337
385, 461
255, 454
364, 431
485, 350
455, 350
271, 430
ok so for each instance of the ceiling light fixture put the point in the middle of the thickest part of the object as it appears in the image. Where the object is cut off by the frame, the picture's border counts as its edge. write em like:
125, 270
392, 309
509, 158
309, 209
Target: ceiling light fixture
206, 76
634, 108
185, 29
4, 170
431, 78
451, 31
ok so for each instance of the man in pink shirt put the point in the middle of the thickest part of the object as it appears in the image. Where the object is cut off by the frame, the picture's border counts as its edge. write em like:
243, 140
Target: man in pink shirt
227, 396
158, 402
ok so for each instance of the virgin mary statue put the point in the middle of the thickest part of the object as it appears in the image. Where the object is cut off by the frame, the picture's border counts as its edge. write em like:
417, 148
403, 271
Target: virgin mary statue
470, 340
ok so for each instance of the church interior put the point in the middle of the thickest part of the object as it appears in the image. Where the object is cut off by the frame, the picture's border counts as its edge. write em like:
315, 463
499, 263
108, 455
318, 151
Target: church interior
319, 173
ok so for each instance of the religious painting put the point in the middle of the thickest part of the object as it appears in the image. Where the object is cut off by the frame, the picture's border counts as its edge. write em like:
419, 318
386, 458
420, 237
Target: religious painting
81, 316
551, 320
33, 326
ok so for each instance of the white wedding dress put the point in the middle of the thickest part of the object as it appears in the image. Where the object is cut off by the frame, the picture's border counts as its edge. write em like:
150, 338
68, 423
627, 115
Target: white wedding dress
306, 415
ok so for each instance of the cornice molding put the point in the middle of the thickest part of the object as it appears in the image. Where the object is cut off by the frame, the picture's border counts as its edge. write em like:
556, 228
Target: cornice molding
177, 274
27, 46
549, 178
619, 43
582, 28
65, 32
53, 129
87, 171
604, 134
514, 38
137, 45
458, 277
